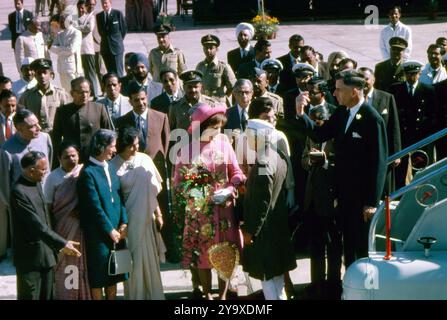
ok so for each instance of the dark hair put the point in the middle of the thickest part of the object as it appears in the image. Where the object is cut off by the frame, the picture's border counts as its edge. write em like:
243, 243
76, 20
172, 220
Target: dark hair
4, 80
440, 40
322, 111
295, 37
320, 56
65, 145
258, 106
347, 60
305, 48
31, 158
365, 69
78, 81
213, 120
56, 17
20, 116
436, 46
100, 140
109, 75
81, 3
351, 78
167, 70
261, 44
320, 83
6, 94
126, 138
398, 8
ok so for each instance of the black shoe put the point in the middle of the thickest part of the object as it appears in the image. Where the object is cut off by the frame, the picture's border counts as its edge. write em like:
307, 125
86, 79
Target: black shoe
197, 294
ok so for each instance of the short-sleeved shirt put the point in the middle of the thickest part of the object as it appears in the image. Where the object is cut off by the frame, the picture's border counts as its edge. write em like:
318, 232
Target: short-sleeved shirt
172, 58
44, 105
217, 75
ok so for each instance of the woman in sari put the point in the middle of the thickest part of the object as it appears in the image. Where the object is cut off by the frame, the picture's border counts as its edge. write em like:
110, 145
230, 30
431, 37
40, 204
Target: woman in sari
62, 199
140, 183
214, 222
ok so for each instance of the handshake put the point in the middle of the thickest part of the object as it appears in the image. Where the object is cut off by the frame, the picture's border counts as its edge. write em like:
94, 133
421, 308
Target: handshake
222, 195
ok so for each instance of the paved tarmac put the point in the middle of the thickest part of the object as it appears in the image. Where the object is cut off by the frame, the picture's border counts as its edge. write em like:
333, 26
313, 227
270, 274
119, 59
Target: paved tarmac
325, 36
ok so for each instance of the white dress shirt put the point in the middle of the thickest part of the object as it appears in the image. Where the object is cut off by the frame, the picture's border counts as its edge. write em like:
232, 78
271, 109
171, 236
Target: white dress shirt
400, 30
352, 112
427, 75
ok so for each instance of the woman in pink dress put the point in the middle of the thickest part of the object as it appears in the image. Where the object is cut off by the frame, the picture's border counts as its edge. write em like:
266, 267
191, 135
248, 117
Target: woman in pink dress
209, 217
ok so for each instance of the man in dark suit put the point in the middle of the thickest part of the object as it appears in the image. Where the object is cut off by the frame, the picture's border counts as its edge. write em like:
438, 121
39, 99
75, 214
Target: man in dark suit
35, 244
441, 98
112, 28
388, 72
418, 113
78, 121
263, 51
237, 115
245, 52
361, 151
17, 21
286, 77
171, 91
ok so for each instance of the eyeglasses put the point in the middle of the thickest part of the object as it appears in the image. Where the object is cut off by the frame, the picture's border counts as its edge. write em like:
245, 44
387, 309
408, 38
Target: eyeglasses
314, 93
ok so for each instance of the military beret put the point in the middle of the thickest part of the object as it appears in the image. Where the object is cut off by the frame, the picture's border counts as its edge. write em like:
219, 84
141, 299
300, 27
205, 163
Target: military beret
210, 39
411, 66
191, 76
269, 64
398, 42
303, 69
162, 29
41, 64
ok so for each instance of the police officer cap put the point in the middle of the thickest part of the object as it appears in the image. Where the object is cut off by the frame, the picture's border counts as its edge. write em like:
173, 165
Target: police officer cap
272, 64
41, 64
398, 42
303, 69
191, 76
412, 66
162, 29
210, 39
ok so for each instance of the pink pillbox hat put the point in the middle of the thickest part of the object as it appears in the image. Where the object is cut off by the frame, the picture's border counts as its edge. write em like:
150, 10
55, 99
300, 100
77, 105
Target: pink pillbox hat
202, 112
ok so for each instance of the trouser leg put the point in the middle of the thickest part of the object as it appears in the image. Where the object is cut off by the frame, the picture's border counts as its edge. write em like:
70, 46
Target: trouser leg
88, 64
29, 285
4, 227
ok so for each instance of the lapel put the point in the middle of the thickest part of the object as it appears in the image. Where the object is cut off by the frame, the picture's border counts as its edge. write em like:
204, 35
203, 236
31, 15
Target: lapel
356, 122
153, 123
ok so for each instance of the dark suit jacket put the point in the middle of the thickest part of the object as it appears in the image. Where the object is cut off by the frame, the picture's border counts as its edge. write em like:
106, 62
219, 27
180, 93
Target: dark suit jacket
27, 16
385, 105
233, 118
79, 125
234, 58
360, 155
417, 114
35, 244
246, 70
386, 74
157, 139
286, 77
112, 33
162, 103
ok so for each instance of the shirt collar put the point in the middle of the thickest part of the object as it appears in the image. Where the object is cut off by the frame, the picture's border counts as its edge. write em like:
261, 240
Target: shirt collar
370, 94
275, 86
169, 49
355, 109
3, 116
49, 91
117, 101
414, 86
397, 26
143, 115
103, 164
293, 59
240, 109
246, 49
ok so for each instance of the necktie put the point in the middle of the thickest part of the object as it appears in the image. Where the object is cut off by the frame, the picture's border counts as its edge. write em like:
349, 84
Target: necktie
346, 117
19, 22
141, 128
411, 89
434, 73
244, 119
8, 131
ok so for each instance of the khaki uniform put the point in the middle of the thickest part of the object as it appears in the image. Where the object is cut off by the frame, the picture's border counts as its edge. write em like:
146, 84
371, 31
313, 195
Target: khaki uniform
44, 106
179, 118
172, 58
217, 76
278, 103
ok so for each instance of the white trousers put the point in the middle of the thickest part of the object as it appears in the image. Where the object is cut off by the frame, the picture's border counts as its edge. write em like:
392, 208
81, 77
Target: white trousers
274, 288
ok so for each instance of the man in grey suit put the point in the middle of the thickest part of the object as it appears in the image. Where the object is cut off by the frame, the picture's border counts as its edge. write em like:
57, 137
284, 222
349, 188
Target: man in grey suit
116, 104
78, 121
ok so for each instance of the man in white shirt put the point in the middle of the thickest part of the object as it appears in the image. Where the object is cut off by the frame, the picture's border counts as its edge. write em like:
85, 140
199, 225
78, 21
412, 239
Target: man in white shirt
28, 79
434, 71
395, 29
30, 43
67, 47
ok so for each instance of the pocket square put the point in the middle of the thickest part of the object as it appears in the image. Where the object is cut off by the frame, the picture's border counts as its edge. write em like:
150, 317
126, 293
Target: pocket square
356, 135
385, 111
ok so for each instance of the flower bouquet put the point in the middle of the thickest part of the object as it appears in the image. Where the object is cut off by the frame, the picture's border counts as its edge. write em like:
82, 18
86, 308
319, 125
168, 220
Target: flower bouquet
166, 19
265, 26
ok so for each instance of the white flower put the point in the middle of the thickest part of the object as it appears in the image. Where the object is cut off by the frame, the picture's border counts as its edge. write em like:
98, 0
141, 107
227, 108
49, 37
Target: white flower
358, 116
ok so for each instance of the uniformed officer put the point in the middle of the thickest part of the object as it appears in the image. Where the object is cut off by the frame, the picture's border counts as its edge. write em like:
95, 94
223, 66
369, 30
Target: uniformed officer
260, 84
165, 56
388, 72
180, 111
273, 68
418, 113
218, 77
44, 99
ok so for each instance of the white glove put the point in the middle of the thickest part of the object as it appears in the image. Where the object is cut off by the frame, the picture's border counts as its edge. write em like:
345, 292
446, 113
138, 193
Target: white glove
220, 196
290, 198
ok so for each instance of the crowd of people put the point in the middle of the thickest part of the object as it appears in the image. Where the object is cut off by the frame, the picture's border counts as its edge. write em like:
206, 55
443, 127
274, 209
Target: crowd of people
135, 149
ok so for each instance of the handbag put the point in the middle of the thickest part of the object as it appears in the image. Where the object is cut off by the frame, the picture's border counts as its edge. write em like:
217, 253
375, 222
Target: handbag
120, 260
